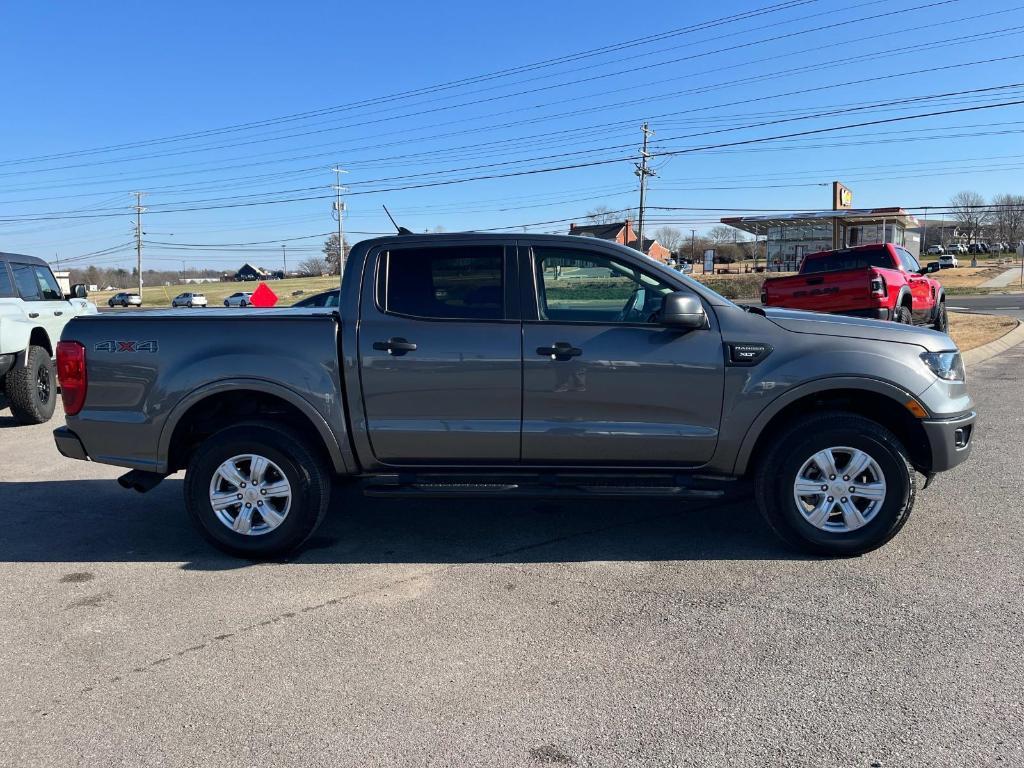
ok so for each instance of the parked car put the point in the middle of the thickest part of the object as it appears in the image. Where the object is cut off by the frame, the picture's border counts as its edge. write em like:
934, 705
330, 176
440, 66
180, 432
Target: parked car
124, 299
239, 299
33, 312
935, 250
948, 261
189, 300
325, 299
512, 366
883, 281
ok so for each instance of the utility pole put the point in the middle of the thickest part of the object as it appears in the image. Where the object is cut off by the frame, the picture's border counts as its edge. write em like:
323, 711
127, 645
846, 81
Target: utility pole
284, 257
643, 171
138, 235
693, 246
338, 212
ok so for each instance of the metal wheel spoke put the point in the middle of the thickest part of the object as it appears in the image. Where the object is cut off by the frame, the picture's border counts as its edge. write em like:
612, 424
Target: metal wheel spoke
805, 487
271, 516
280, 488
819, 515
859, 461
230, 472
873, 491
826, 462
243, 523
223, 499
851, 515
257, 468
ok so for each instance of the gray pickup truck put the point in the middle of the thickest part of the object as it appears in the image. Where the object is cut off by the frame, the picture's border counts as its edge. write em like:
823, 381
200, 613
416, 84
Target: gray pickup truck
517, 365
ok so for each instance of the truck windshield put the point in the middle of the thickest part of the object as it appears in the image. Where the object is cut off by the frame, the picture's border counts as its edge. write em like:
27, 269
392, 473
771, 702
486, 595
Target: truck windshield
835, 261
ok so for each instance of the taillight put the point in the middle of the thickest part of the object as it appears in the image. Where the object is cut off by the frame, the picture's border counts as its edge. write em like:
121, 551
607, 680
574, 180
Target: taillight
71, 375
878, 287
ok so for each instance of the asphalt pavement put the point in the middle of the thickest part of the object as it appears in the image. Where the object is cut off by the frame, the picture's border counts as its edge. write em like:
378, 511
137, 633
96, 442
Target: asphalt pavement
494, 633
1011, 304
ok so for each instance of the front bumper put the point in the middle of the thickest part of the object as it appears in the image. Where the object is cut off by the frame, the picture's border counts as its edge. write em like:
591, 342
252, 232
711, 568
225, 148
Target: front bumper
69, 444
950, 440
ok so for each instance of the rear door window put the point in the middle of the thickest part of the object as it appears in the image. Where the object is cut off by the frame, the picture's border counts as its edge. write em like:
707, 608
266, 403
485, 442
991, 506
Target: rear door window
454, 283
26, 282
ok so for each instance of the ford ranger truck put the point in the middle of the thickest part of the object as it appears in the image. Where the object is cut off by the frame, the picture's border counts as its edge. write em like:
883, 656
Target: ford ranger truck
882, 281
517, 366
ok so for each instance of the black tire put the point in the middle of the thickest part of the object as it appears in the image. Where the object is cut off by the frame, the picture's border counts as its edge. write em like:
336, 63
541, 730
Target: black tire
243, 304
124, 305
300, 463
190, 305
776, 474
110, 303
941, 318
32, 389
903, 315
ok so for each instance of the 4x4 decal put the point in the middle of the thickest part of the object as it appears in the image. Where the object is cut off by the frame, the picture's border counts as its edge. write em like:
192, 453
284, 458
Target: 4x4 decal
126, 346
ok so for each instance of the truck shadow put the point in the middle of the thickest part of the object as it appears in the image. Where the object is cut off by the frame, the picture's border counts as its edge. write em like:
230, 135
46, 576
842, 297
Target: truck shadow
97, 521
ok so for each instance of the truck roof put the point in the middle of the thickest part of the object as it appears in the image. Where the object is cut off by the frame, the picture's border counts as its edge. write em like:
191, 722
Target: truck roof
20, 257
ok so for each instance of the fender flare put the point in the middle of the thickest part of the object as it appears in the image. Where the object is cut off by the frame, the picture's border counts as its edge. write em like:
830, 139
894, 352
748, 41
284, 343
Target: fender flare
330, 440
876, 386
904, 292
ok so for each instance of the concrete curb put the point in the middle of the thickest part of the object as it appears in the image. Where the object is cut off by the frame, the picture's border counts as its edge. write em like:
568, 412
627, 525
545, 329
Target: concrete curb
993, 348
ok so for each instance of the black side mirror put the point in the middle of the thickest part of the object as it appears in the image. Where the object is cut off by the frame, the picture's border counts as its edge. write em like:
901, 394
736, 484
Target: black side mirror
78, 291
682, 309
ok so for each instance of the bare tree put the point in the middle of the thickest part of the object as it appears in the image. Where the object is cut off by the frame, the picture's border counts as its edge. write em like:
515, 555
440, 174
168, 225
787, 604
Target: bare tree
971, 213
331, 254
315, 266
602, 214
720, 233
670, 237
1008, 218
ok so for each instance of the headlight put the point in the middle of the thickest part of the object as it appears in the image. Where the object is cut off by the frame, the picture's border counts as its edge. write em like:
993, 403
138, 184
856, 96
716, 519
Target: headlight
948, 366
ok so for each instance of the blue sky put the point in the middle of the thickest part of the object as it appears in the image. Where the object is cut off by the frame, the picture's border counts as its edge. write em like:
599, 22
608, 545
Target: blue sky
94, 76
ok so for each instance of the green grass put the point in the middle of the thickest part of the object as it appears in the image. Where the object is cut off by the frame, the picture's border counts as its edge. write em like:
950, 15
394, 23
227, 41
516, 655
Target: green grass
161, 295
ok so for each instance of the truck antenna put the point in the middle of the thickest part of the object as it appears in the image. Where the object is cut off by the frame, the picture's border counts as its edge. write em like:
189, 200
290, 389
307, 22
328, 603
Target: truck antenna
401, 230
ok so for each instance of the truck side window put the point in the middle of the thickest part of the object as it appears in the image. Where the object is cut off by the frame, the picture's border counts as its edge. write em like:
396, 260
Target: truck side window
25, 279
465, 282
6, 286
576, 286
48, 285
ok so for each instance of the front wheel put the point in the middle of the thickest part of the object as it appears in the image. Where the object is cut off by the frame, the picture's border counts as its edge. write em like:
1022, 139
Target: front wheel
257, 490
189, 305
32, 388
243, 304
835, 484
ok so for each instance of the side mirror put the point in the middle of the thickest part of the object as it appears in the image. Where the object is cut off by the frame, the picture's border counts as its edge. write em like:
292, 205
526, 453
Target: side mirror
683, 310
78, 291
932, 267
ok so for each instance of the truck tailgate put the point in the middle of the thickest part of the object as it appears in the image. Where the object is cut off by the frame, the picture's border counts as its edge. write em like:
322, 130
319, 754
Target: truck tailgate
821, 291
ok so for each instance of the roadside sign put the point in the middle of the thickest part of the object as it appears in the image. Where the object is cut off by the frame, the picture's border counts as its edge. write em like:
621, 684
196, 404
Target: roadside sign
709, 261
263, 297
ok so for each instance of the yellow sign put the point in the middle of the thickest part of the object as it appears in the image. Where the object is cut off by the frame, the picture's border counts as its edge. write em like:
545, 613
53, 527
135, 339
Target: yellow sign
841, 196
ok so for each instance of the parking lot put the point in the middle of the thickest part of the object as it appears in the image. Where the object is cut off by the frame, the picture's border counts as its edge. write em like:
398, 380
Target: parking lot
459, 633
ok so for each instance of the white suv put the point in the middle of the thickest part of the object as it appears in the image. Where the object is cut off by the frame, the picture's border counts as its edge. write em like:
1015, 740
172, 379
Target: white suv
189, 300
948, 261
33, 312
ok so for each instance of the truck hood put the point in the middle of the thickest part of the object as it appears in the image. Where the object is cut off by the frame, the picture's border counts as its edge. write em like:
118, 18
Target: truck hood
799, 321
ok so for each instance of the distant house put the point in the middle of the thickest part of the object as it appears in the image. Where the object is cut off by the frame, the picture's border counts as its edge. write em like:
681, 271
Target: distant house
622, 232
248, 272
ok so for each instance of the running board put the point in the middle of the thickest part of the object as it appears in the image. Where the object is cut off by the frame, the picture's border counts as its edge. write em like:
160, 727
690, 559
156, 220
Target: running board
548, 485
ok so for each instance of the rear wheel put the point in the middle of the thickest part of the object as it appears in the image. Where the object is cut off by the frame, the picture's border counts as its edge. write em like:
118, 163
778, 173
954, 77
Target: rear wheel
189, 305
32, 389
836, 484
257, 490
242, 303
941, 318
903, 315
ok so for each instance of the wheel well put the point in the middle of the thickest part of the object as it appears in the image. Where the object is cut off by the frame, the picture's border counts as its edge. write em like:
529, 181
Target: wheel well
890, 413
907, 300
213, 413
39, 338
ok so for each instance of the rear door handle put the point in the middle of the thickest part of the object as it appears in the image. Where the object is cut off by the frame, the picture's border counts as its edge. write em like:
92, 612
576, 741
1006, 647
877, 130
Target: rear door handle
560, 350
33, 314
394, 346
57, 314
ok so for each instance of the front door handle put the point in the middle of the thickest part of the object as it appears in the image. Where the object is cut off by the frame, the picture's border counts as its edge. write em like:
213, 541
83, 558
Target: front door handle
560, 350
394, 346
57, 314
33, 315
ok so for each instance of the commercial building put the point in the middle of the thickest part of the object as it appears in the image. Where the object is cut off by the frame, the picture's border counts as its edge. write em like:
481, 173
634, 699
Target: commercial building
788, 237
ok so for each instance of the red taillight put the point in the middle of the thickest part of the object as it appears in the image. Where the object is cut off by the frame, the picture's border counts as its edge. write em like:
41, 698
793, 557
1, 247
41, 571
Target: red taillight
71, 375
878, 287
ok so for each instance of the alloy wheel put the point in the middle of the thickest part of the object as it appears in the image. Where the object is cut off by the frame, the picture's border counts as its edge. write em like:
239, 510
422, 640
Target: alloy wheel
839, 489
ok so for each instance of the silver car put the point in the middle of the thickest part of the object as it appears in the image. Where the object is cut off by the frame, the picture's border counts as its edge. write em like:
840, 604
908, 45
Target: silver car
240, 299
189, 300
125, 300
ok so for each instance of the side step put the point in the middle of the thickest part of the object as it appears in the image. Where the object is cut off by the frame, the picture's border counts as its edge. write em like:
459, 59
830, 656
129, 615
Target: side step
554, 485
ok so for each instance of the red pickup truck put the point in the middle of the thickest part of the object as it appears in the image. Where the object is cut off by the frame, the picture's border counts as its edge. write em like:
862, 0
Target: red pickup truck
882, 281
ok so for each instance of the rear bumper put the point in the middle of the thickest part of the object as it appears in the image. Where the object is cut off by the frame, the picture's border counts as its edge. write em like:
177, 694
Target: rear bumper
874, 313
950, 440
69, 444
